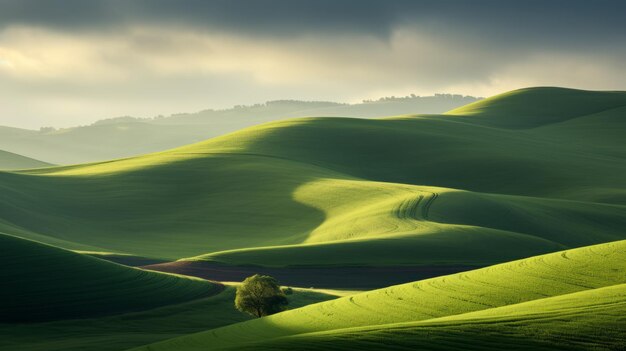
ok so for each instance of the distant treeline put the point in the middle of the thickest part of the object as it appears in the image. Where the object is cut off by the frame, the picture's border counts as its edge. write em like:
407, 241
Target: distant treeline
302, 105
417, 97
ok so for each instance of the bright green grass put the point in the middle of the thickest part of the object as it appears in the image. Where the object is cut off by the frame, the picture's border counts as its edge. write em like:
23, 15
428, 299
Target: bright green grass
44, 283
9, 160
124, 331
450, 296
592, 319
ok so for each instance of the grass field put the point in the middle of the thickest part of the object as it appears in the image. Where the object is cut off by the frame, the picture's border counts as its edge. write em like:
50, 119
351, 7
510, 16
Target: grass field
537, 173
550, 299
401, 191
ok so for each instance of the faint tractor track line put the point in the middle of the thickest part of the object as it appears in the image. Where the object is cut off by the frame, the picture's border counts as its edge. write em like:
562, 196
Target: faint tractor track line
429, 202
413, 210
408, 207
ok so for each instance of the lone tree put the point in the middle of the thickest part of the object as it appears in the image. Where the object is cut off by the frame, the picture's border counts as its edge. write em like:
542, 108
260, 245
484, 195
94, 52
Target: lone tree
260, 295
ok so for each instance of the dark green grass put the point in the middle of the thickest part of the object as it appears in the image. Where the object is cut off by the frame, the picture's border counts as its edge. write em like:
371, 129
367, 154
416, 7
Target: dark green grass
448, 247
534, 107
437, 151
43, 283
124, 331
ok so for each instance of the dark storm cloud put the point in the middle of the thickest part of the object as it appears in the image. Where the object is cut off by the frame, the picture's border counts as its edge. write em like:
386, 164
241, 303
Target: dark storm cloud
554, 22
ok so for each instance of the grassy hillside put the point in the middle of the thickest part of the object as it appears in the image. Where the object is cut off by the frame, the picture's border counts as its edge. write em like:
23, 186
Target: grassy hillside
593, 277
412, 228
534, 107
123, 331
43, 283
599, 132
10, 161
423, 190
433, 150
168, 219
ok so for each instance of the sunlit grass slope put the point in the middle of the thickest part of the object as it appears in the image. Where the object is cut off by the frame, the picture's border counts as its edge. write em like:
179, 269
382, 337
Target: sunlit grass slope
446, 302
9, 160
427, 225
406, 190
43, 283
123, 331
586, 320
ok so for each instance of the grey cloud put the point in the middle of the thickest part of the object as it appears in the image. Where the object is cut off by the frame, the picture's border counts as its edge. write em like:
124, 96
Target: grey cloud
532, 21
330, 50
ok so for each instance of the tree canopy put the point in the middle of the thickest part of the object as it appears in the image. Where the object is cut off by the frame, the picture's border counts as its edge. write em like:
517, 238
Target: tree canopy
260, 295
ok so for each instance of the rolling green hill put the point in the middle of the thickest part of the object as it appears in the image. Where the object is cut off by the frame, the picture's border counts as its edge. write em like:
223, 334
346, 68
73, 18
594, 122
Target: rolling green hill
521, 174
554, 300
11, 161
420, 190
128, 136
535, 107
43, 283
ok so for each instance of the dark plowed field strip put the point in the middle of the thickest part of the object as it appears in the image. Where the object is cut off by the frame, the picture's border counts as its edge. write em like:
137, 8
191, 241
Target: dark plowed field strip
131, 261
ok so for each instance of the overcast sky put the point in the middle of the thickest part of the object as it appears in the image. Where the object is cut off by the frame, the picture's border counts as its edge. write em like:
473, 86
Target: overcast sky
69, 62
